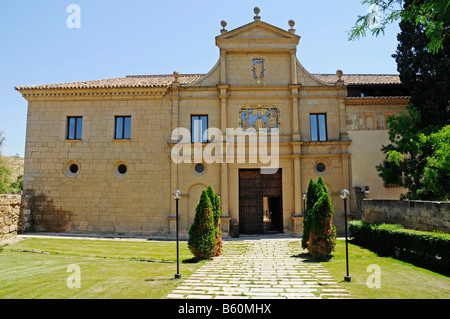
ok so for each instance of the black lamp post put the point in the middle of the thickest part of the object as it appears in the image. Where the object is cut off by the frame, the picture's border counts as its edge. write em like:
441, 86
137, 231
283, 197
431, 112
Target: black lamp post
344, 194
177, 196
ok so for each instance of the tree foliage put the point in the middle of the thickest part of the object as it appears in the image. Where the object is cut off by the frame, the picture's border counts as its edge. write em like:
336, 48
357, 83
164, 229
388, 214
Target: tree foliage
5, 172
8, 183
5, 176
311, 199
426, 77
322, 237
319, 234
436, 177
433, 15
202, 234
321, 184
215, 202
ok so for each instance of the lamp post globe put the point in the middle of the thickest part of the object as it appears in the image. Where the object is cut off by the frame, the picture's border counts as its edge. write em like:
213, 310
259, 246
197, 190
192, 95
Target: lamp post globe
304, 203
176, 194
344, 193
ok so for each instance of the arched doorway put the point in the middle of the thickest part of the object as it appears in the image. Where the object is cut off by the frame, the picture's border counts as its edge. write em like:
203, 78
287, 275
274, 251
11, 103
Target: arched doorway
260, 202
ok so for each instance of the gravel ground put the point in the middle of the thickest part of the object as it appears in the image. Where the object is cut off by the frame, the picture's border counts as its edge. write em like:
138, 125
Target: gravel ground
8, 240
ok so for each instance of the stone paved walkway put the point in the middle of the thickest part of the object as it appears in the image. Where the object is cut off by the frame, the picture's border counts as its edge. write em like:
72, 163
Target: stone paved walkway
262, 268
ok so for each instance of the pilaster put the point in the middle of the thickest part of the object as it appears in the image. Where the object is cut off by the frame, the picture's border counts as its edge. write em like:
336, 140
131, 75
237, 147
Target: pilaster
223, 95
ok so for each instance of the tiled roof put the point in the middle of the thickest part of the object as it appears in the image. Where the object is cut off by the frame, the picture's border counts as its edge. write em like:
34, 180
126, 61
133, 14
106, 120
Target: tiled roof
128, 81
351, 79
377, 100
166, 79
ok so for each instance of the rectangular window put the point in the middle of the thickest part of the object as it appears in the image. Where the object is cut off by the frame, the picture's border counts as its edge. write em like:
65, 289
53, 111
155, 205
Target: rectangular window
318, 127
74, 127
123, 127
199, 125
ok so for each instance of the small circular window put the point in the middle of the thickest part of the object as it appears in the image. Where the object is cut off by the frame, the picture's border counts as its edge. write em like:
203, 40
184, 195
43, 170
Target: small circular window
73, 168
199, 168
320, 167
122, 168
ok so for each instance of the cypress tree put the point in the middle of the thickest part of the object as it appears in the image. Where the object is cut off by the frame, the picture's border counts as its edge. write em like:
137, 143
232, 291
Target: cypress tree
322, 238
202, 234
425, 75
321, 183
311, 198
215, 202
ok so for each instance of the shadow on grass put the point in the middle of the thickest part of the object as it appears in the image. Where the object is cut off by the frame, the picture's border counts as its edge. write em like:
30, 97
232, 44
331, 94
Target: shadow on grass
307, 258
193, 260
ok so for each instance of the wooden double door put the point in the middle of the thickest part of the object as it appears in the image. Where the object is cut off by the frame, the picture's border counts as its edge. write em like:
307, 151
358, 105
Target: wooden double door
260, 202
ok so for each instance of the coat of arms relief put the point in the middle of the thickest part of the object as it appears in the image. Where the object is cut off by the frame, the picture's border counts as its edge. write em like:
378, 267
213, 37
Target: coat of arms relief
258, 71
260, 118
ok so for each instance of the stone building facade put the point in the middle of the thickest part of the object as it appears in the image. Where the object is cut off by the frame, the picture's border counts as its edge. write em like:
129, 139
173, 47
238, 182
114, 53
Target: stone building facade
99, 154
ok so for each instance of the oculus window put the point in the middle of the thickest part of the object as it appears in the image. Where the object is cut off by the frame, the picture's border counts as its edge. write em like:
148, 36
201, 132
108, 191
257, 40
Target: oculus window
199, 168
199, 125
318, 127
123, 127
320, 167
74, 127
71, 168
122, 169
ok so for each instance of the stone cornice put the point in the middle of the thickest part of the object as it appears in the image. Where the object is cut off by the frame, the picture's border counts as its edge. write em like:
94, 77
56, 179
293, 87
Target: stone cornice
377, 100
93, 94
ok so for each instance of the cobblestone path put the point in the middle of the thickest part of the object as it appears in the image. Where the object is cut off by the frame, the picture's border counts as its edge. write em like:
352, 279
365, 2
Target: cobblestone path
262, 268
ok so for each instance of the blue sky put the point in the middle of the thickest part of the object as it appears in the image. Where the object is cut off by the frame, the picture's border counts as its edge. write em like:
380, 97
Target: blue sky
119, 38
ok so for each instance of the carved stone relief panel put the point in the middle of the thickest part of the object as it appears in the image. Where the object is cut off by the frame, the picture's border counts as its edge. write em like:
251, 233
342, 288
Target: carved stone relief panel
260, 117
258, 71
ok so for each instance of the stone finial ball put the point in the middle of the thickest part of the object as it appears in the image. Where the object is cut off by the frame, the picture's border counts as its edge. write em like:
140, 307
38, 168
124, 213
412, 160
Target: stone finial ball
223, 23
339, 73
291, 23
256, 10
176, 74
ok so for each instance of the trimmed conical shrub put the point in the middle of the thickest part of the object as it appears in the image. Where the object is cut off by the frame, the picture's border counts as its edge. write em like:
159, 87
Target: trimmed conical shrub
215, 202
311, 199
321, 183
202, 234
322, 238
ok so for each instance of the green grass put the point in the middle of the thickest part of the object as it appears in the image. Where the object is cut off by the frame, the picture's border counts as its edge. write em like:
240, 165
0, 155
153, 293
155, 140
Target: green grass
149, 250
398, 280
38, 268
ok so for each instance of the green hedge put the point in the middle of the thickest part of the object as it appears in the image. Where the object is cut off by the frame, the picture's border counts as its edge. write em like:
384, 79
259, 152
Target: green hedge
425, 249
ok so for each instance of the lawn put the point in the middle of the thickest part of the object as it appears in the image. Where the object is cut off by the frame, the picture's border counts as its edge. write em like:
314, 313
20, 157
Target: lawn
40, 268
397, 279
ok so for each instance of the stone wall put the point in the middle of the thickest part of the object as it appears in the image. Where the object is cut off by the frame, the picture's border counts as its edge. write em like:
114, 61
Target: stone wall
419, 215
9, 214
97, 199
15, 214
